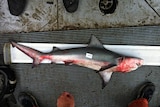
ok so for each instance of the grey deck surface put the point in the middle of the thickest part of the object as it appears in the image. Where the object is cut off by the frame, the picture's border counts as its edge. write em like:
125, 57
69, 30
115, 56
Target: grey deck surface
47, 81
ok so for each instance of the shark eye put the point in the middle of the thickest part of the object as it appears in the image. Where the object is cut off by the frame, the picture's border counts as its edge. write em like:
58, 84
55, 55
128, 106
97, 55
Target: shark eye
138, 64
121, 59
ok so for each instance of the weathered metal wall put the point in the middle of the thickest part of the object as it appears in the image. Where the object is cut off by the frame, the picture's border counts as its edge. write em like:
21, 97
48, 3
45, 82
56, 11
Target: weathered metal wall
48, 15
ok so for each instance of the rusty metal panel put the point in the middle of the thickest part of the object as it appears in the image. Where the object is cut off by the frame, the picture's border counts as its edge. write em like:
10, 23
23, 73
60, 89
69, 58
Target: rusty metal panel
43, 16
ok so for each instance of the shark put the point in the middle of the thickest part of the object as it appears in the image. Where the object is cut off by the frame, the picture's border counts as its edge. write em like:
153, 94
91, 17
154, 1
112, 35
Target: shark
94, 56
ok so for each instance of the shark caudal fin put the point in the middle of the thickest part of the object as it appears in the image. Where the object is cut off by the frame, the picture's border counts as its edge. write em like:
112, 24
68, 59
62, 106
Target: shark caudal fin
106, 76
34, 54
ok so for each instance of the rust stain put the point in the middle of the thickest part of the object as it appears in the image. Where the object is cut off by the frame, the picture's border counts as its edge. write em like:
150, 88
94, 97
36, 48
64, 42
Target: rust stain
38, 11
70, 28
96, 25
24, 20
36, 16
85, 25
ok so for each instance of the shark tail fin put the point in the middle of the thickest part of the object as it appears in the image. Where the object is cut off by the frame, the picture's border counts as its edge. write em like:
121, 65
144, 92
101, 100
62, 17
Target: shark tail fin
32, 53
106, 76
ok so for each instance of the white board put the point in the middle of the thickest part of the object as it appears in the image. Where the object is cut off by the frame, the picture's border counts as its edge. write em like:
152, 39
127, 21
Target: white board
150, 54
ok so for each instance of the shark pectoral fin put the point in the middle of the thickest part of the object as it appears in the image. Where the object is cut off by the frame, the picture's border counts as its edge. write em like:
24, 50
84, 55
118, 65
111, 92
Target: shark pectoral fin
106, 76
55, 49
103, 68
36, 62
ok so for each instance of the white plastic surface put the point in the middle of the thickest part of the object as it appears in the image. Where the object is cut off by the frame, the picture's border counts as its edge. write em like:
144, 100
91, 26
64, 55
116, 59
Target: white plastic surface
150, 54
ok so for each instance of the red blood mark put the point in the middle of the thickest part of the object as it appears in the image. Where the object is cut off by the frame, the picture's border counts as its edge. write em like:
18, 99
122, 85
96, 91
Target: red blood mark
75, 61
78, 61
123, 68
50, 57
128, 64
68, 62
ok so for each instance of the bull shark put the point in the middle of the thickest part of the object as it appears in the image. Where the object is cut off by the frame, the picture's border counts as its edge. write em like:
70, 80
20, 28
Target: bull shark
94, 56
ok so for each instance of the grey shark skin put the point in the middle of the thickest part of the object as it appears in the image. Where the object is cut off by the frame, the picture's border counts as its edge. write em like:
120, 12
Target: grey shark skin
94, 56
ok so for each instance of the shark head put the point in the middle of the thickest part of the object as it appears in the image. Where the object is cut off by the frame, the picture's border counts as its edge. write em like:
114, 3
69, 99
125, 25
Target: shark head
128, 64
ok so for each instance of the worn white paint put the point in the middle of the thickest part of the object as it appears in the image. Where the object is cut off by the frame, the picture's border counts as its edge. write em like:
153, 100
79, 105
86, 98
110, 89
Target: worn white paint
41, 16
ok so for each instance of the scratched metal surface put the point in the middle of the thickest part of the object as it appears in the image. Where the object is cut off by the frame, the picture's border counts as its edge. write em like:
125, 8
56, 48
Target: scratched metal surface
155, 5
47, 81
40, 15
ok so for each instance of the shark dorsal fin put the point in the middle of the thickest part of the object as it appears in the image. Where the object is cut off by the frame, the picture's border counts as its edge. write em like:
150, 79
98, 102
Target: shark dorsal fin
55, 49
94, 42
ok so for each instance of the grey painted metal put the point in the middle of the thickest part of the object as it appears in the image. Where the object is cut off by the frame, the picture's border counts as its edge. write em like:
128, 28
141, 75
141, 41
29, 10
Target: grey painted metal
46, 82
